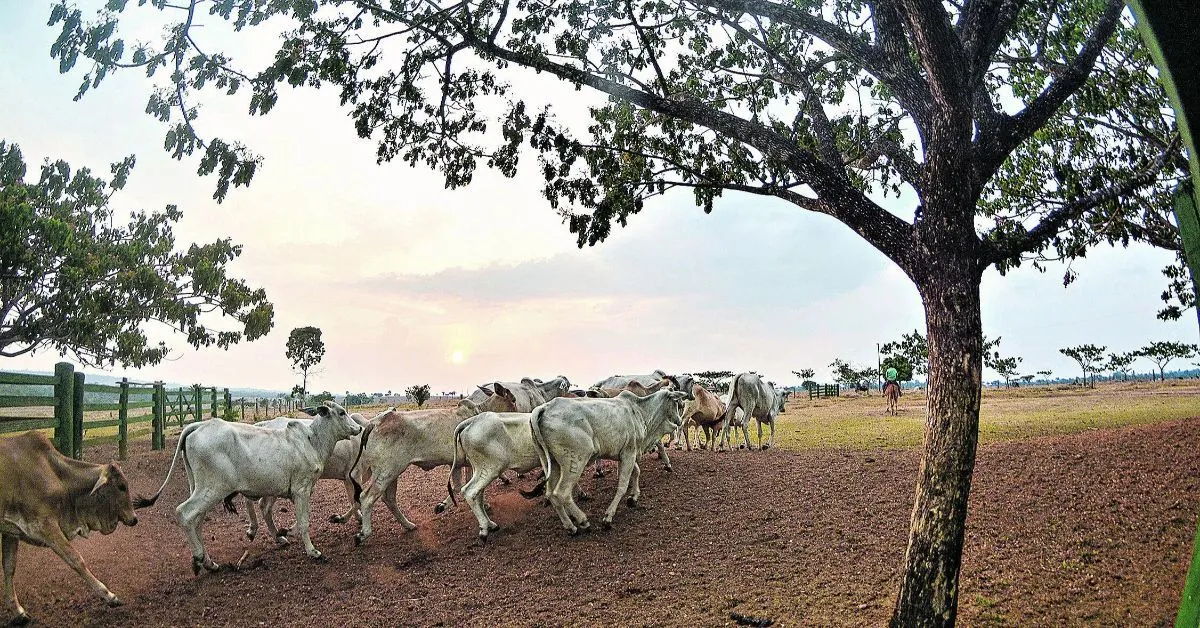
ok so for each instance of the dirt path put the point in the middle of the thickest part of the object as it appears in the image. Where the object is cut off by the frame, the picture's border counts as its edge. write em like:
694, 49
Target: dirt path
1088, 529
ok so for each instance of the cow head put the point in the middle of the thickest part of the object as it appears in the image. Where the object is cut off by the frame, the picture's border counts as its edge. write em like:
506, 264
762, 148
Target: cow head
344, 425
683, 382
505, 395
108, 503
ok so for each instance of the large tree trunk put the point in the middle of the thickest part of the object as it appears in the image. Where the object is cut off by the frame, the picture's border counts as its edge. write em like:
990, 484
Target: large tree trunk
928, 595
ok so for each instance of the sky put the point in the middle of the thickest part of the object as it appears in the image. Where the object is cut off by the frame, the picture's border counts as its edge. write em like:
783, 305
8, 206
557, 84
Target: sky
412, 283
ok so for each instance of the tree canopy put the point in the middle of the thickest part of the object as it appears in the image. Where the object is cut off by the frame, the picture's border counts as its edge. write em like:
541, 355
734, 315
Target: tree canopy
305, 349
73, 279
1162, 352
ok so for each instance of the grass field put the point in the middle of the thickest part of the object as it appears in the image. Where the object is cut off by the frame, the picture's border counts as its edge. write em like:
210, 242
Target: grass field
859, 422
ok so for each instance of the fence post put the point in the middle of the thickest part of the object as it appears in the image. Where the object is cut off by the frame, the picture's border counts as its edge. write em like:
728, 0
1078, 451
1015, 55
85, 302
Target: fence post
156, 417
64, 402
212, 408
77, 417
123, 421
228, 403
243, 408
181, 406
198, 406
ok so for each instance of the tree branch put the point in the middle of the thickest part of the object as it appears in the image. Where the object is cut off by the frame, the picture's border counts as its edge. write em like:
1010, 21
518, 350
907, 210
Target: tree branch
991, 150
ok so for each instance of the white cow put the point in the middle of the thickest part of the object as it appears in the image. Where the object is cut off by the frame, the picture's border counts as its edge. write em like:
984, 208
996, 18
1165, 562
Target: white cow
224, 458
339, 466
751, 395
568, 434
394, 440
492, 443
621, 381
526, 394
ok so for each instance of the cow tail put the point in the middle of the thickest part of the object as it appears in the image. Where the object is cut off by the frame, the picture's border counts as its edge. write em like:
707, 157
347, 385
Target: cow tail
454, 461
734, 402
535, 427
143, 502
362, 445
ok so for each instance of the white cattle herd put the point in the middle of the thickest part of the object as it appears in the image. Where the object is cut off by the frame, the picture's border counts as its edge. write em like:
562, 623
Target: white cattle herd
523, 426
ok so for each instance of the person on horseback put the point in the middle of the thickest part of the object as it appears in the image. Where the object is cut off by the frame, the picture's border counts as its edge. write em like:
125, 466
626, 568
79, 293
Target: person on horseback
891, 390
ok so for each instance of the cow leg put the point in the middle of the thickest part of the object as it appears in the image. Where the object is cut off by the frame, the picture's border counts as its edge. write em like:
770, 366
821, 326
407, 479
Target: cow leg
458, 481
772, 441
191, 518
252, 527
759, 433
662, 455
343, 518
56, 541
624, 473
11, 543
381, 481
473, 493
389, 498
301, 499
635, 486
561, 492
268, 512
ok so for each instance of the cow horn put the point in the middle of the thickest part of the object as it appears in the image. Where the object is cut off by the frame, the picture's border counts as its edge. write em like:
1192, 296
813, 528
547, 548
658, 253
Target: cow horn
101, 481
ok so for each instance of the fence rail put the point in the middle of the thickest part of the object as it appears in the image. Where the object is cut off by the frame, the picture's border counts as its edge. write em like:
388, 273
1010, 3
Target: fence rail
72, 407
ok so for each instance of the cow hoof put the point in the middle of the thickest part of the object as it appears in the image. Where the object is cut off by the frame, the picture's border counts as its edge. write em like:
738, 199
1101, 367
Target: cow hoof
250, 535
493, 526
281, 540
583, 497
741, 446
439, 509
668, 468
764, 447
631, 502
358, 539
606, 524
319, 557
20, 620
337, 519
114, 602
410, 527
574, 531
197, 563
483, 538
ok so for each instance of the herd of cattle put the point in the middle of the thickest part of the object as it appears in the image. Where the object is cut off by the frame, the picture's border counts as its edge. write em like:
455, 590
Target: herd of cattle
47, 499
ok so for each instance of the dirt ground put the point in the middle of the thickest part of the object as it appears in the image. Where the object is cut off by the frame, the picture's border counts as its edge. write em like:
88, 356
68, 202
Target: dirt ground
1089, 529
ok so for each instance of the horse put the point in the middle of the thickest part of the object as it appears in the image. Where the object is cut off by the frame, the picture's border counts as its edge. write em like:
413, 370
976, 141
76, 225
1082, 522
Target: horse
891, 393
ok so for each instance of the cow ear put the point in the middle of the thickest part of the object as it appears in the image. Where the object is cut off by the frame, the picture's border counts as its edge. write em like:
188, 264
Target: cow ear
504, 392
102, 480
310, 411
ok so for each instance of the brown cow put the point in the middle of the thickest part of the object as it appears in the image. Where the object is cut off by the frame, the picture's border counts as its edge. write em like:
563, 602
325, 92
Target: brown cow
704, 411
47, 499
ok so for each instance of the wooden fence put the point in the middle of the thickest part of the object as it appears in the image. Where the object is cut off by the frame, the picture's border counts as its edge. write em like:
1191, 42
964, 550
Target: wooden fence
824, 390
71, 407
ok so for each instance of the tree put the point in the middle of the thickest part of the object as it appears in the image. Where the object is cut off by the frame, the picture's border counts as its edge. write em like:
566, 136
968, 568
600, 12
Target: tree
806, 378
418, 393
1088, 357
904, 368
74, 281
1120, 363
1161, 354
1027, 378
1045, 374
1014, 116
322, 397
843, 373
717, 381
1007, 368
911, 348
305, 349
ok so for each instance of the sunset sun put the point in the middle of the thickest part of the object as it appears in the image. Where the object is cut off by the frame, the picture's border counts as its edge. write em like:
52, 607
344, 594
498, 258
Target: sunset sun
456, 357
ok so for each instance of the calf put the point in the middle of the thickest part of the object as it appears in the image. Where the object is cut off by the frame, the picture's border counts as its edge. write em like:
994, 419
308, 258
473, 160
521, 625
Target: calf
569, 434
704, 411
224, 458
394, 440
48, 499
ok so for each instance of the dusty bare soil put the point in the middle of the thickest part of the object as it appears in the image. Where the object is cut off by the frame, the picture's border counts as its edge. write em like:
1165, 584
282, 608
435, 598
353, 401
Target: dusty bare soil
1090, 529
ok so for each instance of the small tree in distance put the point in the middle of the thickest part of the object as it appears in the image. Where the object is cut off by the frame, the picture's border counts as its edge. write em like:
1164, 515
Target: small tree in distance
1161, 354
715, 381
1007, 368
418, 393
1120, 363
806, 378
1088, 357
305, 349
